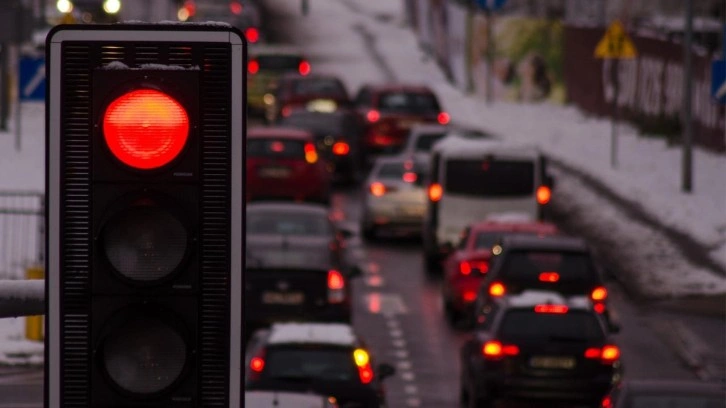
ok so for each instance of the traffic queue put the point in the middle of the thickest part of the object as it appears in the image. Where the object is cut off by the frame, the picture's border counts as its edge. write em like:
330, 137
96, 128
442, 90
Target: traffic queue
533, 298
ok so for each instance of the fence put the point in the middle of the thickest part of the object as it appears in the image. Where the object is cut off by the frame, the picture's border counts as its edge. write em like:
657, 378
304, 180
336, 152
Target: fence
22, 234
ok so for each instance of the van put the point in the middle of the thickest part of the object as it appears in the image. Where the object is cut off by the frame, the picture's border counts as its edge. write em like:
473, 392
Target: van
471, 179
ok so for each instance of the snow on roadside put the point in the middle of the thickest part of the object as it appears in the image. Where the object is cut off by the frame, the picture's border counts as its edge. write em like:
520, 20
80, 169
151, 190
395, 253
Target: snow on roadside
15, 350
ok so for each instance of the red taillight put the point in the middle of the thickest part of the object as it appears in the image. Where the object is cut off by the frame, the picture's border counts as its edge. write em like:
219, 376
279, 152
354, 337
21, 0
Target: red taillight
599, 294
544, 194
497, 289
145, 128
556, 309
444, 118
311, 155
410, 177
363, 362
252, 34
467, 267
253, 67
277, 147
607, 402
235, 7
607, 355
373, 116
549, 277
469, 296
257, 364
341, 148
378, 189
285, 111
435, 192
599, 308
336, 287
495, 349
304, 68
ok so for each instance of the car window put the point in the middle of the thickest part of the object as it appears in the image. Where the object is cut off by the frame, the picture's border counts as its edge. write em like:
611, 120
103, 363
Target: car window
318, 86
425, 142
526, 266
287, 223
490, 178
572, 326
276, 148
315, 122
486, 240
680, 400
278, 62
306, 362
408, 102
395, 171
363, 98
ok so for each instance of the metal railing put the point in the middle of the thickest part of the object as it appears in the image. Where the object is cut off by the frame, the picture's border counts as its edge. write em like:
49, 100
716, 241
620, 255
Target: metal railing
22, 232
22, 298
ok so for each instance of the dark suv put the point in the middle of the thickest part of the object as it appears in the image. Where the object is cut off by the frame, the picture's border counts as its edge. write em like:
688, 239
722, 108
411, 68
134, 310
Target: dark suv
539, 346
325, 358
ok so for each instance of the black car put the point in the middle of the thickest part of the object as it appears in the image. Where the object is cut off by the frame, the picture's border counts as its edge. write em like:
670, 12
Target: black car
338, 136
552, 262
296, 266
666, 393
324, 358
539, 346
307, 91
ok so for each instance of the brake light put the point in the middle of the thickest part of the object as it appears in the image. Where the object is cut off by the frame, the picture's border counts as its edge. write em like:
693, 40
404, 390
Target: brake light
556, 309
363, 362
444, 118
277, 147
311, 156
607, 355
467, 267
599, 308
378, 189
544, 194
607, 402
497, 289
336, 287
253, 67
549, 277
304, 67
469, 296
435, 192
341, 148
599, 293
410, 177
252, 34
257, 364
373, 116
494, 349
285, 111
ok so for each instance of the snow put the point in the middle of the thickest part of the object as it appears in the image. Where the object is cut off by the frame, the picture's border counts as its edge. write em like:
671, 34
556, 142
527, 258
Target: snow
120, 66
322, 333
541, 297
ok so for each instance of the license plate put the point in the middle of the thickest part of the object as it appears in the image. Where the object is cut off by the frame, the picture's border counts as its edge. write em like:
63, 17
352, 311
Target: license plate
563, 363
282, 298
274, 172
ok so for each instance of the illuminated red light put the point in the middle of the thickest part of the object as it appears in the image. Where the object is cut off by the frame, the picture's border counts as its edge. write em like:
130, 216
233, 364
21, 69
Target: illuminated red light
146, 128
549, 277
497, 289
277, 147
286, 111
378, 189
311, 155
304, 68
556, 309
599, 308
599, 294
444, 118
495, 349
410, 177
373, 116
544, 195
435, 192
235, 8
253, 67
335, 280
465, 268
257, 364
469, 296
608, 354
341, 148
606, 402
252, 34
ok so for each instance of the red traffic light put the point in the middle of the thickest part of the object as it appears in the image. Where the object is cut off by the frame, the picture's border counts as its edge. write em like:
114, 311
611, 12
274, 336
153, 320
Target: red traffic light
145, 129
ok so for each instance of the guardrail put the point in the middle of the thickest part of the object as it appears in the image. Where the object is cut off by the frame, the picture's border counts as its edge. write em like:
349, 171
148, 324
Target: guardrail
22, 298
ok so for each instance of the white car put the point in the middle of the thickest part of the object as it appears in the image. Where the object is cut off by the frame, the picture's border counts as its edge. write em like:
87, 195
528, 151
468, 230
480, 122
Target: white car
286, 399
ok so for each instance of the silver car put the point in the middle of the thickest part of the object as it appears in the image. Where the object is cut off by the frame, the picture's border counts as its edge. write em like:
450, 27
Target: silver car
394, 197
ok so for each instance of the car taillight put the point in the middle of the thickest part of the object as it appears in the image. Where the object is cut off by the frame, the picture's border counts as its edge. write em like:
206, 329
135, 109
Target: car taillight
252, 34
304, 68
555, 309
373, 116
253, 67
607, 354
607, 402
467, 267
378, 189
410, 177
435, 192
469, 296
311, 155
341, 148
497, 289
363, 362
494, 349
336, 287
257, 365
544, 194
599, 294
599, 308
549, 277
443, 118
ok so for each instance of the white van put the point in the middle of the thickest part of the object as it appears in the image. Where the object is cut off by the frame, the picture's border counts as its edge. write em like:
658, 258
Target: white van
473, 178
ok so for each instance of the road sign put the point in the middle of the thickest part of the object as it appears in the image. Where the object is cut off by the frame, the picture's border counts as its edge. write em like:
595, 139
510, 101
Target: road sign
32, 79
490, 5
718, 81
615, 44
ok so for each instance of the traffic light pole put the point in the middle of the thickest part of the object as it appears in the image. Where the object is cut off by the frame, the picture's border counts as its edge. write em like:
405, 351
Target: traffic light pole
687, 160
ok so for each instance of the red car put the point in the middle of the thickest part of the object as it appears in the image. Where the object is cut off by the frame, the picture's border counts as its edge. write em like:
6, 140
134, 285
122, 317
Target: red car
319, 92
466, 267
391, 110
284, 164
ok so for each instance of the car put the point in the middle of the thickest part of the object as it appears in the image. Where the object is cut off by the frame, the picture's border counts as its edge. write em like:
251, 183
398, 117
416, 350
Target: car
559, 263
325, 91
421, 139
468, 264
666, 393
471, 178
284, 164
325, 358
538, 346
296, 265
242, 14
265, 66
394, 198
337, 134
287, 399
390, 110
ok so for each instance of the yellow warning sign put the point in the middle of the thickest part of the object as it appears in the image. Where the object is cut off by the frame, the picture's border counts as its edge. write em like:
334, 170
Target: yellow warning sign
615, 44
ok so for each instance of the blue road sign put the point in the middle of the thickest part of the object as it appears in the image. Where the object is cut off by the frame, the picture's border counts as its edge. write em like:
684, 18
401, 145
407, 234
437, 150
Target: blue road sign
718, 81
32, 79
490, 5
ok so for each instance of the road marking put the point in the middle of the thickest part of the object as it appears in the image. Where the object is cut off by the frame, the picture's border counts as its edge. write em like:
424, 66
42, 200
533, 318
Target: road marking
400, 343
402, 354
413, 402
374, 268
404, 365
386, 304
410, 389
396, 333
408, 376
375, 281
392, 323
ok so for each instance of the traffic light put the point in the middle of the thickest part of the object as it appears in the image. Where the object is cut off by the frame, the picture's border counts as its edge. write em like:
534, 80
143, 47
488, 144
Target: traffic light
145, 131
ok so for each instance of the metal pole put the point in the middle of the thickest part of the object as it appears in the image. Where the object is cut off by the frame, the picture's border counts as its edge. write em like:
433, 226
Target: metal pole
687, 90
614, 67
490, 57
4, 87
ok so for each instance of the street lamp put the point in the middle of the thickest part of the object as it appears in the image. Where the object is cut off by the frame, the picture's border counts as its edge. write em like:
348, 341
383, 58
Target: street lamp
64, 6
111, 6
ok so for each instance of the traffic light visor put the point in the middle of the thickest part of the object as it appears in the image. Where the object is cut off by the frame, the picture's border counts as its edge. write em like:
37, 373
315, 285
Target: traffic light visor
145, 128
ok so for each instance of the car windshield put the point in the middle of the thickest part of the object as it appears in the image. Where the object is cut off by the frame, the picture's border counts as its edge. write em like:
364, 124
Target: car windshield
525, 267
486, 240
287, 223
426, 141
310, 362
319, 123
665, 399
490, 178
408, 102
571, 326
396, 170
318, 86
278, 148
278, 62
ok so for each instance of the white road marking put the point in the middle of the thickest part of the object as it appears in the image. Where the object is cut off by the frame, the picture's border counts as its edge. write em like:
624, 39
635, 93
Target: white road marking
413, 402
402, 354
392, 323
386, 304
400, 343
375, 281
396, 333
408, 376
404, 365
410, 389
